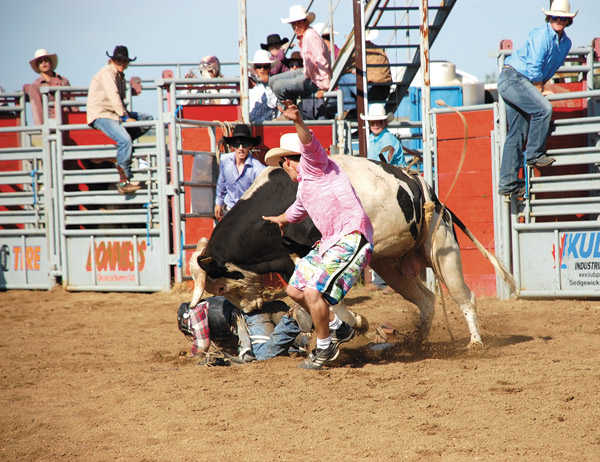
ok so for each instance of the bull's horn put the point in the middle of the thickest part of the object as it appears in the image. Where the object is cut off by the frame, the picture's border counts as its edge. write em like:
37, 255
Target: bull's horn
197, 273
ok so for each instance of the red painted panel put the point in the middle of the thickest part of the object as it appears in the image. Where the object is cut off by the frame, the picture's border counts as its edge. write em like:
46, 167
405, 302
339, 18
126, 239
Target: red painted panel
85, 137
450, 126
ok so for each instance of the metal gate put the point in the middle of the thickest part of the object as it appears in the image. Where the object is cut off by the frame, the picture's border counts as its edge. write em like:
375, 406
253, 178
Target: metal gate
554, 231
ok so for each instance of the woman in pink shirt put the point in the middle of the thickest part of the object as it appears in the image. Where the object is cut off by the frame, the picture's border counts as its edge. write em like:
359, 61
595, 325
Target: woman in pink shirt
45, 64
331, 268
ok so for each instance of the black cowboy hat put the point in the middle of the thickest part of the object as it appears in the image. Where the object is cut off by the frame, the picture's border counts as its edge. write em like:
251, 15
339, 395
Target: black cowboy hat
242, 131
121, 53
295, 56
273, 39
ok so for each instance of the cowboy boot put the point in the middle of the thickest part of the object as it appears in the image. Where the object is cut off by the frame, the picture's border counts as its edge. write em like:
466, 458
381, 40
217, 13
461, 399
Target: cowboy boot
124, 186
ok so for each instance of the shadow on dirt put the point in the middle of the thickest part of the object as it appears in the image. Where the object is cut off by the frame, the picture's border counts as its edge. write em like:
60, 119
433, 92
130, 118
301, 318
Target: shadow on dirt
409, 351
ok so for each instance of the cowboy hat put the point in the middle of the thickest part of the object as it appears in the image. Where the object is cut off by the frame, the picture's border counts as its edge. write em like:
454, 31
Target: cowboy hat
377, 112
242, 131
295, 56
560, 8
371, 34
121, 53
261, 57
322, 29
298, 13
41, 53
289, 145
274, 39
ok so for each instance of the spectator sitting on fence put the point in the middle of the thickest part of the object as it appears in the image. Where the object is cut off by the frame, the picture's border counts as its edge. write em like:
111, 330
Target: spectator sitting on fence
237, 169
275, 47
325, 34
262, 100
257, 336
314, 77
45, 64
379, 75
210, 68
106, 112
521, 86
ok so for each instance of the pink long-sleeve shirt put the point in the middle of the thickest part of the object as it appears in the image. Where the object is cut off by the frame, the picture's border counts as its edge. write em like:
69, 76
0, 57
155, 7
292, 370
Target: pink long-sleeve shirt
326, 195
35, 96
316, 58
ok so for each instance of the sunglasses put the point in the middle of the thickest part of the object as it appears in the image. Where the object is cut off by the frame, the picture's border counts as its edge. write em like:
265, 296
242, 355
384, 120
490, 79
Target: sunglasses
559, 18
241, 143
295, 64
262, 66
281, 161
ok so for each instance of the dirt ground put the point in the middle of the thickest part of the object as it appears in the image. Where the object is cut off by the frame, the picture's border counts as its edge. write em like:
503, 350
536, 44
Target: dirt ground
101, 376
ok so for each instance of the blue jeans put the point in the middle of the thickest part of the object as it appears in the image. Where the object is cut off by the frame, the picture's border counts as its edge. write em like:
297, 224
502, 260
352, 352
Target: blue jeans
123, 136
270, 342
292, 85
528, 114
347, 84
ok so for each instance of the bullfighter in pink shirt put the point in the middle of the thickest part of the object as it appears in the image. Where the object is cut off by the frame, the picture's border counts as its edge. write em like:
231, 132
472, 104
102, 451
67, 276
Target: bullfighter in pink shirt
331, 268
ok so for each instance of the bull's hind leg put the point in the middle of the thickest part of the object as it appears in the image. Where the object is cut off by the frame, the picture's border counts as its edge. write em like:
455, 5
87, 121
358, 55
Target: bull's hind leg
448, 264
413, 290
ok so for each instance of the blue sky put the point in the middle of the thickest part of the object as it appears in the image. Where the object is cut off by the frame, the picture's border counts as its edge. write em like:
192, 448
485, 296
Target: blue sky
81, 31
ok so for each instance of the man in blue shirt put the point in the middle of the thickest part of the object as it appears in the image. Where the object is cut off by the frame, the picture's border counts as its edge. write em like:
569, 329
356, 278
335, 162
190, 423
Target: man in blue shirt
381, 141
521, 86
237, 169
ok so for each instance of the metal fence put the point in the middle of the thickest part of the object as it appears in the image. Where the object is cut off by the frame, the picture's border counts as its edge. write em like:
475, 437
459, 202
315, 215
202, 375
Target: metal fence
552, 235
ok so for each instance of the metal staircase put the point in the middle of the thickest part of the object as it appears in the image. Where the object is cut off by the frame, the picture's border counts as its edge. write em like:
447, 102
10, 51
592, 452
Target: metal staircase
399, 24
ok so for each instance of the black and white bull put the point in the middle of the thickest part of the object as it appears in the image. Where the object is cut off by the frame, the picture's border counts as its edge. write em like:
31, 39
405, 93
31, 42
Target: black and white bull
407, 237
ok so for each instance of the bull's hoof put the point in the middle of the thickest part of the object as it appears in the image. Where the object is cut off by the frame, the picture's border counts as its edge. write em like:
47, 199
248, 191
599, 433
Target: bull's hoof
475, 345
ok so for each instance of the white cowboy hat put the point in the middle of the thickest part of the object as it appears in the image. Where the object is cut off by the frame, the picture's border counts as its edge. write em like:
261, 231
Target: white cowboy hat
377, 112
41, 53
560, 8
322, 29
298, 13
371, 34
261, 57
289, 145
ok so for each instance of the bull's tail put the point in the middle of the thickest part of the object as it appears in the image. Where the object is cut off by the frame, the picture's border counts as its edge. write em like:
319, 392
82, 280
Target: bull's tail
430, 197
493, 259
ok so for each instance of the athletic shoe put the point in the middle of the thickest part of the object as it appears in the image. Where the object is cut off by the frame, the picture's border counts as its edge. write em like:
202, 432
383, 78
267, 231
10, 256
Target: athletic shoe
319, 356
542, 161
342, 334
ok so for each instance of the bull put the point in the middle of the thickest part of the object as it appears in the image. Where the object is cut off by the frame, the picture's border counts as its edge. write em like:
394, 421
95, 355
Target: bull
412, 230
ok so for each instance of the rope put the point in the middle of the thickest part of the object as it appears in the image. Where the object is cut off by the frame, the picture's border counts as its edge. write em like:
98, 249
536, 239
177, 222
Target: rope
180, 261
439, 220
148, 206
34, 189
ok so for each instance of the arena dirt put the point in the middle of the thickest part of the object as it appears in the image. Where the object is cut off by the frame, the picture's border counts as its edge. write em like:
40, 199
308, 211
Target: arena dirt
104, 376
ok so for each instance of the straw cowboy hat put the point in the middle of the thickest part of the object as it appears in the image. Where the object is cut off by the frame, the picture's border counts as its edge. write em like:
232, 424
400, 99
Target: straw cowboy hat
121, 53
242, 131
289, 145
377, 112
42, 53
560, 8
298, 13
274, 39
261, 57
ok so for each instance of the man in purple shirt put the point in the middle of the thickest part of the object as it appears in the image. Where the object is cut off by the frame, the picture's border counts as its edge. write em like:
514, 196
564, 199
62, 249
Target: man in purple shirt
237, 169
331, 268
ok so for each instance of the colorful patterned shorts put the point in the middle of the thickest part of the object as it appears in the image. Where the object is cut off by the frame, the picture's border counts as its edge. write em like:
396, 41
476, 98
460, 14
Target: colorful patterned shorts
336, 271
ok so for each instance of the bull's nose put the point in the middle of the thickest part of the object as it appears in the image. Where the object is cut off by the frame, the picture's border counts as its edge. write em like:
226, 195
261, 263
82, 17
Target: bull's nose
221, 290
